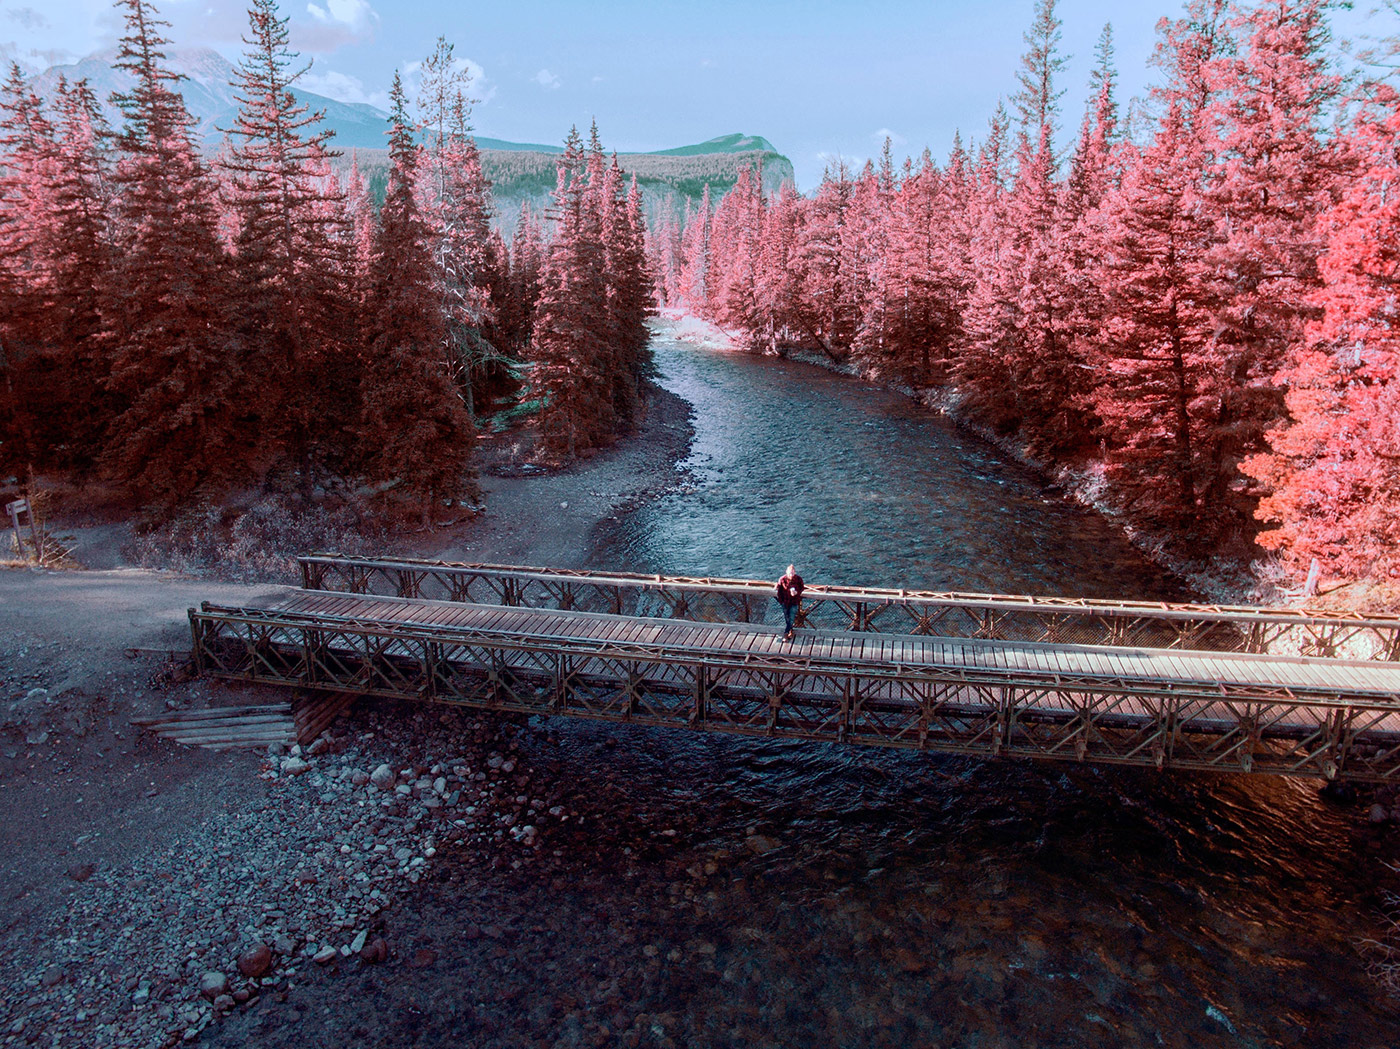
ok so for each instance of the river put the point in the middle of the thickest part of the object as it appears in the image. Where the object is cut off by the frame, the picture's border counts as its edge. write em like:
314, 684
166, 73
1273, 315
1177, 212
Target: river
924, 900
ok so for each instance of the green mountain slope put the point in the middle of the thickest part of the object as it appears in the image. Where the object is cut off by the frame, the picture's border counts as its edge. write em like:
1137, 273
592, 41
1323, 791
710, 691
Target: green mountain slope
722, 144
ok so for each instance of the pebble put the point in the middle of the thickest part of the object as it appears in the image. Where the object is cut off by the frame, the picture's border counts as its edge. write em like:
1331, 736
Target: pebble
252, 892
255, 962
213, 984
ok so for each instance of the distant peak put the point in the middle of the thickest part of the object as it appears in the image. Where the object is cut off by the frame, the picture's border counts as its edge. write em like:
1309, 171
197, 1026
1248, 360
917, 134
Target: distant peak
735, 143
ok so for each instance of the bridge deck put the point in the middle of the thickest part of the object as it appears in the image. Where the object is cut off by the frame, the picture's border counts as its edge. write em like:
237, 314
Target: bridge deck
1166, 667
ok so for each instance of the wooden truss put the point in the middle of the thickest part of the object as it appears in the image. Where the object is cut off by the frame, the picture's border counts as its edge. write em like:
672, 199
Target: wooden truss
978, 710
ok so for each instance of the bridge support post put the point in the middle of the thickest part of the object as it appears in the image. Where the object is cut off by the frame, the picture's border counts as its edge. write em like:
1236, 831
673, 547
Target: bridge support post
699, 698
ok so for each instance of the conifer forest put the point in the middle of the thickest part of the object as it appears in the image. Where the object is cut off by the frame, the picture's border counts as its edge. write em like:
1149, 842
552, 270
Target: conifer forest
1193, 306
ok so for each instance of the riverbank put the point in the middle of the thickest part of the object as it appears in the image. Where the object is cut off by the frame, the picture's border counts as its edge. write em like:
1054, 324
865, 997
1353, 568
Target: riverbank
148, 890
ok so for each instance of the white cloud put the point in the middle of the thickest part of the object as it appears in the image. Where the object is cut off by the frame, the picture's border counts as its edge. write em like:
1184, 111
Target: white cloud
885, 133
356, 15
342, 88
548, 80
336, 23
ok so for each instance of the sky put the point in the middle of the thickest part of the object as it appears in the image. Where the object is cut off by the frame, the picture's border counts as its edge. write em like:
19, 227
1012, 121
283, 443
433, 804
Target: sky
819, 79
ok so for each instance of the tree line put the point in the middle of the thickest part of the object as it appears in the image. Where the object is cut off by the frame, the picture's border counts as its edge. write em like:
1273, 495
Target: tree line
1196, 313
185, 327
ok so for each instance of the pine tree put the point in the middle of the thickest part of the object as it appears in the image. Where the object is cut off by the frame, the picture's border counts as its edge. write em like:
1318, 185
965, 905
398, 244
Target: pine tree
176, 365
415, 431
778, 288
1157, 392
75, 241
29, 153
693, 289
734, 249
570, 351
1273, 176
292, 266
1333, 469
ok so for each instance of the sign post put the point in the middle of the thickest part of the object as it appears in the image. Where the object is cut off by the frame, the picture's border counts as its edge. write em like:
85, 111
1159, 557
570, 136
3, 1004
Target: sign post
14, 509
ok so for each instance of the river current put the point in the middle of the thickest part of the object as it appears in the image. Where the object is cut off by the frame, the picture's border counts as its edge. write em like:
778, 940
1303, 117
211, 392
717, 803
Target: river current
907, 899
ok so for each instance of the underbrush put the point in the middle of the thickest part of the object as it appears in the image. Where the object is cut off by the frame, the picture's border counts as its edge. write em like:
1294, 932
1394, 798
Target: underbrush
257, 543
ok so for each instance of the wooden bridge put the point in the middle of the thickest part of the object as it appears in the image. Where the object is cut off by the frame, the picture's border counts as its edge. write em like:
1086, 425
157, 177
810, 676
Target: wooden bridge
1157, 685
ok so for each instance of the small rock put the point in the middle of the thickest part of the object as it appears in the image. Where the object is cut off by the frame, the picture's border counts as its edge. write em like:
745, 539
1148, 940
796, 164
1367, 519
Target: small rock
255, 963
213, 984
81, 871
761, 845
324, 955
223, 1003
37, 695
53, 976
37, 737
359, 777
374, 952
423, 957
358, 943
1378, 814
382, 777
295, 766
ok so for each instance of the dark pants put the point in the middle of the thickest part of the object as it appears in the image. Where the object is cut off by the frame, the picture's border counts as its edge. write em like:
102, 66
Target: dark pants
790, 613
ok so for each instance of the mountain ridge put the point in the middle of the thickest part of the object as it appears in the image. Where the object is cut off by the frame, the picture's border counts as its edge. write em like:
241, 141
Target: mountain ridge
210, 97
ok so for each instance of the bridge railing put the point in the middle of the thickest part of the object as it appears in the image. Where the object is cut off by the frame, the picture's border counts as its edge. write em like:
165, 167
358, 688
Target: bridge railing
1000, 617
984, 711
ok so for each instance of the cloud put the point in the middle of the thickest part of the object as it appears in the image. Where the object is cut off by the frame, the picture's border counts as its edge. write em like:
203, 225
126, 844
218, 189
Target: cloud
338, 22
28, 18
353, 14
547, 80
885, 133
342, 88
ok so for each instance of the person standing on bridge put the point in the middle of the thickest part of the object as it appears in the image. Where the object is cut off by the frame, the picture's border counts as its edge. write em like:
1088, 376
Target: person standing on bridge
789, 595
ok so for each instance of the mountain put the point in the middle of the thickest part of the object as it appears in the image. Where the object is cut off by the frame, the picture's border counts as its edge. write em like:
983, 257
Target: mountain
520, 172
501, 145
209, 95
723, 144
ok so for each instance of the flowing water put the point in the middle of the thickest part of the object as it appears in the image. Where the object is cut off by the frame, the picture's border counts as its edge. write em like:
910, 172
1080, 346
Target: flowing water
908, 899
